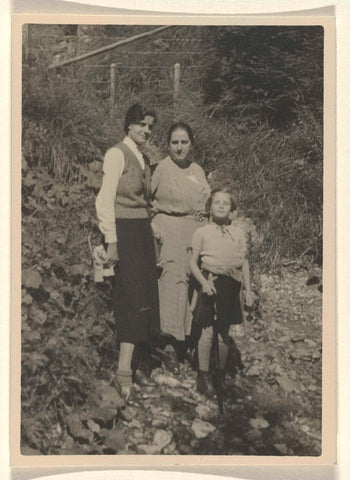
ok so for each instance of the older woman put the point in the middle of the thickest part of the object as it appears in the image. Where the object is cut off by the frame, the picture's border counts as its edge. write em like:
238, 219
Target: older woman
179, 193
122, 207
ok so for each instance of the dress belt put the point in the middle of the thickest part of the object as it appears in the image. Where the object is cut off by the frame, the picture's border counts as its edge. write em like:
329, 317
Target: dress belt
198, 216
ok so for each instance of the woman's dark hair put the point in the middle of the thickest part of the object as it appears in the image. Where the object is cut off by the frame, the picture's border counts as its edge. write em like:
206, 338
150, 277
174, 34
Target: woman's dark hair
222, 190
180, 126
136, 114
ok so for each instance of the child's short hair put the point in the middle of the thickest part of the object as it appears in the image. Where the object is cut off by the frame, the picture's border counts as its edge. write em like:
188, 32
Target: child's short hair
222, 190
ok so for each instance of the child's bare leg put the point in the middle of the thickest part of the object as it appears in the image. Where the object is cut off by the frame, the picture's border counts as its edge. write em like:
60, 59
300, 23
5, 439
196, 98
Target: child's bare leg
223, 352
124, 373
204, 383
204, 346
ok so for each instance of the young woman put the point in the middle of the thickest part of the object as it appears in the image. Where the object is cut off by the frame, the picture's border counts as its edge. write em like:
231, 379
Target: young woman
219, 264
124, 218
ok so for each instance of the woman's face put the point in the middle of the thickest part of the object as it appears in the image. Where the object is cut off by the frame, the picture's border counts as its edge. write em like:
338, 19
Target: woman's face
140, 132
180, 147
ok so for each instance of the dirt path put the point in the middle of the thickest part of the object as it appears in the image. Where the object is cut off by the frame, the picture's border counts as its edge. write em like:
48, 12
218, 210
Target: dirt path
272, 408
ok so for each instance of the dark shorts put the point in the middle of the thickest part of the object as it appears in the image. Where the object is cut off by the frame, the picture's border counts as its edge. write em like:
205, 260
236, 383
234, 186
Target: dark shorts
226, 301
136, 304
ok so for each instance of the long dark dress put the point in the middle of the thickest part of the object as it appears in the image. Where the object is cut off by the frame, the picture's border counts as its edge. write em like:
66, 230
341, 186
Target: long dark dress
136, 293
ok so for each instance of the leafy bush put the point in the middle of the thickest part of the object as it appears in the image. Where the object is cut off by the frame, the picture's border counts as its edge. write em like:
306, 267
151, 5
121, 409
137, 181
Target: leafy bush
264, 74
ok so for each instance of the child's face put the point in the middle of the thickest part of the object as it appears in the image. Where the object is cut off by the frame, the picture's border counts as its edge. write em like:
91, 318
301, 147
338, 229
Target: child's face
221, 206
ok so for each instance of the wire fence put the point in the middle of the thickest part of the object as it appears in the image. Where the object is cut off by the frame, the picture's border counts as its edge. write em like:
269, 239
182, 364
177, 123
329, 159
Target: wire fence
154, 69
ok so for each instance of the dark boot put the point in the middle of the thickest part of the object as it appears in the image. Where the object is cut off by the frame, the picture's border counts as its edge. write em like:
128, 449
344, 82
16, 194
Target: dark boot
205, 385
169, 358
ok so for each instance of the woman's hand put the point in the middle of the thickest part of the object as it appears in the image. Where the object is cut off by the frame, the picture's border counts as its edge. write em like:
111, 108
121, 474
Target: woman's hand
208, 288
112, 255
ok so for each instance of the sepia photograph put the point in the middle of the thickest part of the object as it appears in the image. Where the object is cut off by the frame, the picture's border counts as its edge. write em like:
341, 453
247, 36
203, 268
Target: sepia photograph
172, 240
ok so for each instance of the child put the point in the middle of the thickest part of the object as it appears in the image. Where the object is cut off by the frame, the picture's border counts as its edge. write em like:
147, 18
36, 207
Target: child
220, 249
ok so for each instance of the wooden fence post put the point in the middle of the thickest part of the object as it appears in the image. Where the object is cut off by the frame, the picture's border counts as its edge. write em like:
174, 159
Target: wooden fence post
112, 89
177, 75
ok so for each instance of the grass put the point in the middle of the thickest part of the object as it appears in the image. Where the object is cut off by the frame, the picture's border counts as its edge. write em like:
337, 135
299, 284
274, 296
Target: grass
277, 176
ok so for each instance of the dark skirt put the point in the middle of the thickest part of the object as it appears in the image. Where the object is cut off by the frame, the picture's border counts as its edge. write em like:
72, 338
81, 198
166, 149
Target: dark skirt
228, 306
136, 304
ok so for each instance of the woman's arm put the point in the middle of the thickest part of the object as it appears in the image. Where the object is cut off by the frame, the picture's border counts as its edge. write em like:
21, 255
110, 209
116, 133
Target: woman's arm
113, 166
156, 176
200, 174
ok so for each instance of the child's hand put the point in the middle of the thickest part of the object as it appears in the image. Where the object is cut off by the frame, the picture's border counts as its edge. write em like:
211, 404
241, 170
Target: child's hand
248, 298
208, 288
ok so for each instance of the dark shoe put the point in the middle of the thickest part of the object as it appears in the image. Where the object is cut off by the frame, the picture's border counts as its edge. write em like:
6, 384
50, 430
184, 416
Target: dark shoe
170, 361
205, 385
130, 397
143, 380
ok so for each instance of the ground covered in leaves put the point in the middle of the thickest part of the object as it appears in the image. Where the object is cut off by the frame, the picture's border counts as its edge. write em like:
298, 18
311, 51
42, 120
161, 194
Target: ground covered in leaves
69, 358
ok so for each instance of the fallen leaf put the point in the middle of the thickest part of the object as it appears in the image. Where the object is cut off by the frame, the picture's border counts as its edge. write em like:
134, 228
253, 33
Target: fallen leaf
179, 394
127, 414
298, 338
285, 338
203, 412
170, 449
115, 440
38, 316
162, 438
135, 424
160, 422
282, 448
30, 336
94, 427
81, 269
255, 371
287, 384
31, 278
27, 299
202, 429
166, 380
149, 449
77, 429
258, 423
252, 435
106, 396
103, 416
29, 180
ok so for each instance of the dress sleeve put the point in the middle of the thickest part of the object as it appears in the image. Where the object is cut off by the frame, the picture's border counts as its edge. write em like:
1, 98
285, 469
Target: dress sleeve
200, 174
113, 166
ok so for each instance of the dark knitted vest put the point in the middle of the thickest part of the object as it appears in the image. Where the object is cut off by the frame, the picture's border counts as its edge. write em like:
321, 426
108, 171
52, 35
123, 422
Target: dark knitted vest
134, 187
